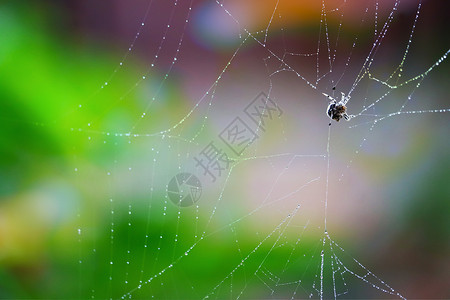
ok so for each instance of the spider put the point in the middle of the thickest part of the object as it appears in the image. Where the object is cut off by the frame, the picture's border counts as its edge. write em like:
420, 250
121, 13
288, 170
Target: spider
337, 110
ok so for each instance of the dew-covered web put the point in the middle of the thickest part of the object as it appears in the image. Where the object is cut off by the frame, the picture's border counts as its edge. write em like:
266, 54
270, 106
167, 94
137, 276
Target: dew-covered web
228, 179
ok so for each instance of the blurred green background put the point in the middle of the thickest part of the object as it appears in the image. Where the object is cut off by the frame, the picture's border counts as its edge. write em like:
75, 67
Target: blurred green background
84, 211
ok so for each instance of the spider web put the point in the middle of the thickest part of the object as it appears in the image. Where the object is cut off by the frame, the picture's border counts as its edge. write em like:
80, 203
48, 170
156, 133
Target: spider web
276, 216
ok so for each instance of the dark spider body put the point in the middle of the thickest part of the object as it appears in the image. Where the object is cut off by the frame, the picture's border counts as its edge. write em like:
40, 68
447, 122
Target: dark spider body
337, 111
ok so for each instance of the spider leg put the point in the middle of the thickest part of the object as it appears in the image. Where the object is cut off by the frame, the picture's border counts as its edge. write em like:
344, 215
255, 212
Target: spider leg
328, 96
